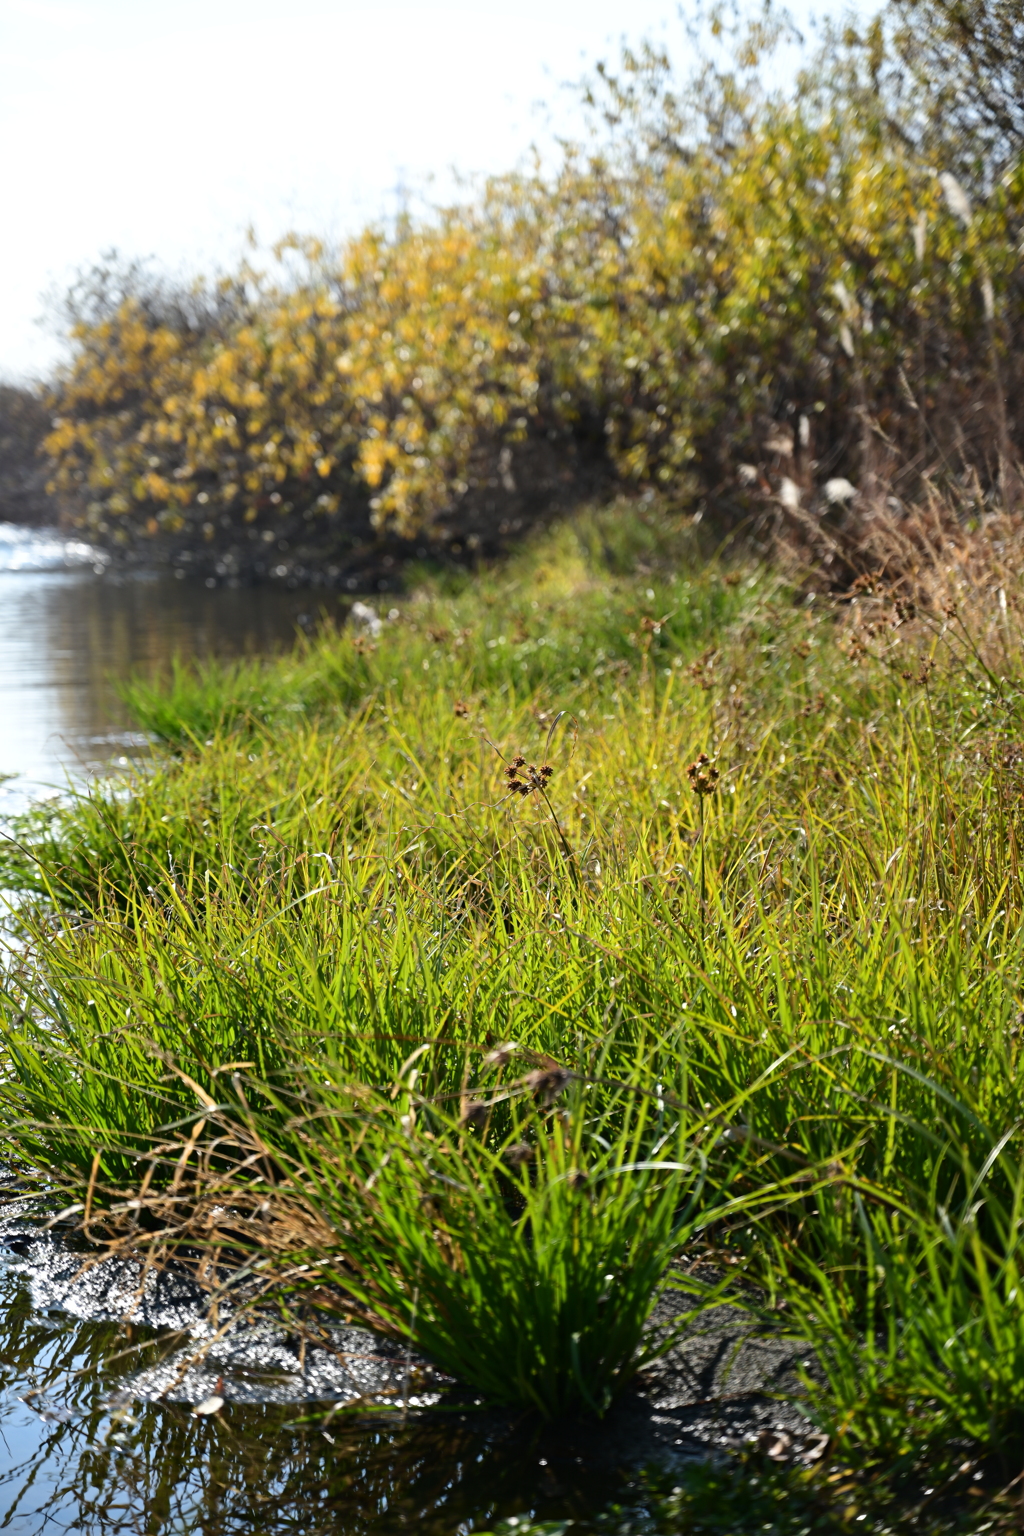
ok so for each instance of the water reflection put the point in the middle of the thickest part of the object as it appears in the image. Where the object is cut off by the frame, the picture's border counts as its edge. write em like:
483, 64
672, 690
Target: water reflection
66, 633
78, 1453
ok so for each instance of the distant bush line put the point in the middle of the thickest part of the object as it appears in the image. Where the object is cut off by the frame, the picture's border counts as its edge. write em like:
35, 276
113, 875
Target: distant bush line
24, 423
775, 309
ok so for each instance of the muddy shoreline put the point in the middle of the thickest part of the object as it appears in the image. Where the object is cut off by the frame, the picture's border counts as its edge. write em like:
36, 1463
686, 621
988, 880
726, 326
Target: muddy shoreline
718, 1389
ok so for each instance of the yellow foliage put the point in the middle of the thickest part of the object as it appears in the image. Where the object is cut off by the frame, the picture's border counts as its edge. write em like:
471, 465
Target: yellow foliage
675, 310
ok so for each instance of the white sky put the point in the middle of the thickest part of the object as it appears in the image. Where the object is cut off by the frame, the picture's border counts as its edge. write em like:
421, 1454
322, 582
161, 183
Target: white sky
164, 127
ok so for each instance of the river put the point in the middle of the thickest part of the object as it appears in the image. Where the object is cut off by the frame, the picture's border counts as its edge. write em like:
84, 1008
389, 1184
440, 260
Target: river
70, 629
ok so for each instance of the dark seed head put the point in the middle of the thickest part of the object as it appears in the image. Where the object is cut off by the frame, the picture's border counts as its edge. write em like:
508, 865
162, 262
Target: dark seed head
703, 775
523, 780
547, 1083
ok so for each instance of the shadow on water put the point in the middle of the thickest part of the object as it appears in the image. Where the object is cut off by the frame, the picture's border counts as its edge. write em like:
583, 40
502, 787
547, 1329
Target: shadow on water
68, 634
78, 1453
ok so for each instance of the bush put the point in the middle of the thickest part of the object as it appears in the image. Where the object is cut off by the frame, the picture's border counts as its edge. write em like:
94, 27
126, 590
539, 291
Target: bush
24, 423
757, 296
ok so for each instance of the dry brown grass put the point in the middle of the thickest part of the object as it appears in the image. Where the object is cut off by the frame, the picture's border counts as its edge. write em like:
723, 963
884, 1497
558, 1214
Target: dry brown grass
945, 551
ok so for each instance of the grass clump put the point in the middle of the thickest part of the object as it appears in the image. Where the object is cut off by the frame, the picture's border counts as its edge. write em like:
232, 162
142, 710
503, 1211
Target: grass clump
325, 994
525, 1264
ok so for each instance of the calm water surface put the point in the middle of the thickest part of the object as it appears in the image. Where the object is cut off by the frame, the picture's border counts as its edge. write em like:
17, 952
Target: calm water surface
88, 1446
79, 1452
68, 631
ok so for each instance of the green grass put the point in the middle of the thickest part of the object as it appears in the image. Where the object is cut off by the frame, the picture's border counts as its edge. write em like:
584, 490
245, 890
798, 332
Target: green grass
299, 993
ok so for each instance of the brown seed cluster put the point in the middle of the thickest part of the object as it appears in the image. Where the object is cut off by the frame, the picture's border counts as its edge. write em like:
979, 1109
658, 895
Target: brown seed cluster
524, 778
868, 584
816, 705
702, 671
547, 1083
922, 674
703, 775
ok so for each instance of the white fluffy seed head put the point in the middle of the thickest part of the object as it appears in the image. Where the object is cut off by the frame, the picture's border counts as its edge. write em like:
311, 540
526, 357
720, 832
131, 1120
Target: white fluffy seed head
839, 491
957, 201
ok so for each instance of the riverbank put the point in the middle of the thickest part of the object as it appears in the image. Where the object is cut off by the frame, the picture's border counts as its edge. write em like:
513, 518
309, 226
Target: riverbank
457, 973
157, 1354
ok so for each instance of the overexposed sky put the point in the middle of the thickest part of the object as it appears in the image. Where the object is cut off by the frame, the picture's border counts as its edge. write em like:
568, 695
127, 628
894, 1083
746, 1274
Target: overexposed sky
165, 127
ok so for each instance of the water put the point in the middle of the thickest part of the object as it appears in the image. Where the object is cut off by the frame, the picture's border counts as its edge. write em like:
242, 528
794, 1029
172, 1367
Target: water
88, 1445
69, 629
79, 1452
319, 1428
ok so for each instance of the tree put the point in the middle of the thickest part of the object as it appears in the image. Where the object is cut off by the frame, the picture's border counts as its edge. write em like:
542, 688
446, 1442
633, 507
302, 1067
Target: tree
951, 76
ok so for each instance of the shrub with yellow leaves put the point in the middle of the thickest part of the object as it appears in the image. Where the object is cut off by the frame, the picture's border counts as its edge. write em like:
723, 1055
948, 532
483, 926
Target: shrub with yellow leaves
796, 302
